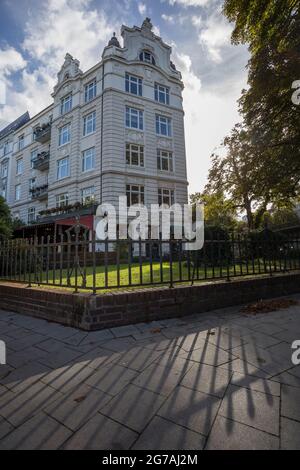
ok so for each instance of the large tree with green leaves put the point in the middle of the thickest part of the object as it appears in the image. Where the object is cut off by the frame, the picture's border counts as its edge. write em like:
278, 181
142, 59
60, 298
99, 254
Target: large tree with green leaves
5, 219
272, 31
218, 211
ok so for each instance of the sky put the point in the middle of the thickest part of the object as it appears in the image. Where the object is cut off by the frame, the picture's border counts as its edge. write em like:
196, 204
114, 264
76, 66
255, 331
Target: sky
36, 34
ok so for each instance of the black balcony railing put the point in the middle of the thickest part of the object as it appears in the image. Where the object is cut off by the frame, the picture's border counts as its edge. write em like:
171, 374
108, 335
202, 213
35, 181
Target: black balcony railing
41, 162
43, 133
77, 260
39, 192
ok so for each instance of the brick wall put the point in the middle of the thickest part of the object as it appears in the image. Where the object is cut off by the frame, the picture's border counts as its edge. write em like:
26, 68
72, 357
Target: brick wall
92, 312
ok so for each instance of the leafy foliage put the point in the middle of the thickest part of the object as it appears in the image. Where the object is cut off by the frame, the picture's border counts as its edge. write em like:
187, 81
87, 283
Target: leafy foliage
262, 161
5, 219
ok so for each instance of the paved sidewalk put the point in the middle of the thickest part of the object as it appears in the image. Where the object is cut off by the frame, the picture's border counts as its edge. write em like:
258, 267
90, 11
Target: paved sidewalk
218, 380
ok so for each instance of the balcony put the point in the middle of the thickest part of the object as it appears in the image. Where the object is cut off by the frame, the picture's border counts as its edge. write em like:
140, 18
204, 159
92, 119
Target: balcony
41, 162
39, 192
77, 209
43, 133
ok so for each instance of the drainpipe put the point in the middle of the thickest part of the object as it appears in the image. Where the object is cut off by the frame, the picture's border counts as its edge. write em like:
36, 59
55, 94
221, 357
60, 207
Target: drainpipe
101, 154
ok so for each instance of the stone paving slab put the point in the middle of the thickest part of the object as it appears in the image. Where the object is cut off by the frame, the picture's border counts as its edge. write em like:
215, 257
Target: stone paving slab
192, 409
255, 409
215, 380
102, 433
39, 433
231, 435
162, 434
134, 407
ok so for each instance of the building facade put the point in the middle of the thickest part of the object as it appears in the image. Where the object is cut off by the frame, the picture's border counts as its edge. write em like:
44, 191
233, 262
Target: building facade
117, 129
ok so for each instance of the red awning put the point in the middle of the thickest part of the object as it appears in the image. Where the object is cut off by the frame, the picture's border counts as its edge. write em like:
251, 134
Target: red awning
87, 220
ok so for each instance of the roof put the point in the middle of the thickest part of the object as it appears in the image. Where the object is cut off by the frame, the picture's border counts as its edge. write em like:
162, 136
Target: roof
13, 126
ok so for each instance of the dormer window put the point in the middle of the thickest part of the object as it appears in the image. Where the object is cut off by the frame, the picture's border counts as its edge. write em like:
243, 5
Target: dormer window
146, 56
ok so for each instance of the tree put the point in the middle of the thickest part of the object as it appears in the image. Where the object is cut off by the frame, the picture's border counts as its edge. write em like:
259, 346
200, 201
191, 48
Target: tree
218, 211
272, 31
5, 219
237, 174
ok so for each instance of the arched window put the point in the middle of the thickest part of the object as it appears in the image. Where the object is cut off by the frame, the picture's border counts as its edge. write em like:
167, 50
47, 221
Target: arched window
146, 56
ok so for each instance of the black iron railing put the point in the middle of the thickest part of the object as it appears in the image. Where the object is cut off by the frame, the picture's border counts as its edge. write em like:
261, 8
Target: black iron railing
77, 260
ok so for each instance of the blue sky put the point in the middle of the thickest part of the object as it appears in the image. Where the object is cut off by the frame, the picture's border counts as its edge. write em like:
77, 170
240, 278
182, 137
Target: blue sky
36, 34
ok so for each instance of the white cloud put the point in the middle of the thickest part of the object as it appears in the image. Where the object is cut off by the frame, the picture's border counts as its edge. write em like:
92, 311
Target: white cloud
215, 35
142, 8
191, 3
11, 61
60, 26
168, 18
209, 116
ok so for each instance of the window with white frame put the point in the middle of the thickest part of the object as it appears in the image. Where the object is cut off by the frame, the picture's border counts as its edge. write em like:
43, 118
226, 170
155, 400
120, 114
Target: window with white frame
165, 196
133, 84
88, 159
21, 142
164, 160
134, 118
135, 194
4, 169
89, 123
88, 195
135, 154
33, 156
62, 200
90, 91
31, 185
161, 94
31, 215
64, 135
163, 125
17, 192
19, 166
5, 148
66, 104
63, 168
146, 56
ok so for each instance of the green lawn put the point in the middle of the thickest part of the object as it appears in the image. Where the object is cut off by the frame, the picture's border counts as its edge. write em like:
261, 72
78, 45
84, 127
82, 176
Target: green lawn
136, 276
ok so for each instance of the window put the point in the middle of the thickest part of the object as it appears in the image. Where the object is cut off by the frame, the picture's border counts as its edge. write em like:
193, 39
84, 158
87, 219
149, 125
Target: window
88, 159
164, 160
63, 168
21, 142
161, 94
66, 104
147, 57
31, 215
88, 195
133, 84
6, 148
3, 188
163, 125
4, 169
134, 118
165, 196
31, 185
135, 154
62, 200
17, 192
19, 168
64, 135
89, 123
90, 91
135, 194
33, 157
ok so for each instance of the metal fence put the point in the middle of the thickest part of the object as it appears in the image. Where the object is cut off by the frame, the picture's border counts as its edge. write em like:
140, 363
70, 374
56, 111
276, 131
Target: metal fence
77, 260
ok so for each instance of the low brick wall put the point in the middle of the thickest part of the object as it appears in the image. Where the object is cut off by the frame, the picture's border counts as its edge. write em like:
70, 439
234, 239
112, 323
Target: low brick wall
93, 312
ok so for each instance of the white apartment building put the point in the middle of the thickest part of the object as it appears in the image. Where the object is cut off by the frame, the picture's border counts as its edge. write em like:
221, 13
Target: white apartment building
117, 129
